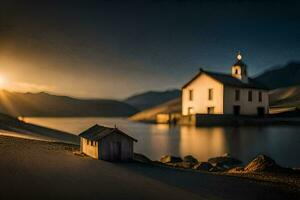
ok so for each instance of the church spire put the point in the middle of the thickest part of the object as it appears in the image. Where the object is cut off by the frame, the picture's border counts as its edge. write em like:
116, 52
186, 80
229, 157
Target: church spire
239, 69
239, 55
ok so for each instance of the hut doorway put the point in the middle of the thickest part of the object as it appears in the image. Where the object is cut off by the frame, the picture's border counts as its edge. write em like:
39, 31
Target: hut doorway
116, 152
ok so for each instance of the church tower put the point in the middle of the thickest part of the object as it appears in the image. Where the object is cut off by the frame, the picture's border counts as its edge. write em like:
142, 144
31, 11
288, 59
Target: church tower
239, 69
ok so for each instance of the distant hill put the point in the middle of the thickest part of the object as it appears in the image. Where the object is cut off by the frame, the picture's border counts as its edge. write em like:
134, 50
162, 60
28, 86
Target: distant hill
285, 97
44, 104
282, 76
152, 98
173, 106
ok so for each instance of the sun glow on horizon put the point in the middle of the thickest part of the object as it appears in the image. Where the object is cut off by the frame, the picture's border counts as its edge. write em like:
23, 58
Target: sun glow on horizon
23, 87
3, 81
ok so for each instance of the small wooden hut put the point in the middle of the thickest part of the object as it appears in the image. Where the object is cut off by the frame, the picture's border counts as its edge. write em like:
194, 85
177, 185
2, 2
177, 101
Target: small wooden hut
106, 143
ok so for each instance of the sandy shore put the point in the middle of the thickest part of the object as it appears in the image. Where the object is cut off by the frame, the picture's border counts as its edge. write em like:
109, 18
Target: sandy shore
47, 170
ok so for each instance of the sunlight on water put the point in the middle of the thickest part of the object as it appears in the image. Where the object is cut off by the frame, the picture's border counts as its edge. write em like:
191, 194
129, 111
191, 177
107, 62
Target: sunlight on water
203, 141
279, 142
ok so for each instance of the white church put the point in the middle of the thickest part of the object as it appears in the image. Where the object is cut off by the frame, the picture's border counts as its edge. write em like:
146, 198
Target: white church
225, 94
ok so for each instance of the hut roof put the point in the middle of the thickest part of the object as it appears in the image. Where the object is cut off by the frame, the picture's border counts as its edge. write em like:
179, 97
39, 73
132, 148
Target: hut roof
98, 132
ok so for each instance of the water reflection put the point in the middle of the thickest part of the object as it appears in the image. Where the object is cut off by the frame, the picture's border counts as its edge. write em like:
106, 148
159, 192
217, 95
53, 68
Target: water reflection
159, 140
247, 142
202, 142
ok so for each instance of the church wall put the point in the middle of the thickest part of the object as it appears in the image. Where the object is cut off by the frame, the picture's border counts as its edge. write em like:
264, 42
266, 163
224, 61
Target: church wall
200, 102
246, 107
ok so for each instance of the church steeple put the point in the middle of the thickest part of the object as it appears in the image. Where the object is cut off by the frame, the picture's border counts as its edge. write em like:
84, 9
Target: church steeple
239, 56
239, 69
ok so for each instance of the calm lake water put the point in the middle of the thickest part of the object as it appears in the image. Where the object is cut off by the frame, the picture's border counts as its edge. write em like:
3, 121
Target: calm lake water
154, 140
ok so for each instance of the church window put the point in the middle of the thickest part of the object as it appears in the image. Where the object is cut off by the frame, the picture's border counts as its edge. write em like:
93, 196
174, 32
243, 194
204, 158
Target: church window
260, 96
191, 95
237, 95
210, 94
249, 95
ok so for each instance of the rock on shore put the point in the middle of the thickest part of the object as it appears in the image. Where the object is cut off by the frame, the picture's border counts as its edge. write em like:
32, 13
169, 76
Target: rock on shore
216, 164
190, 159
170, 159
225, 161
261, 163
205, 166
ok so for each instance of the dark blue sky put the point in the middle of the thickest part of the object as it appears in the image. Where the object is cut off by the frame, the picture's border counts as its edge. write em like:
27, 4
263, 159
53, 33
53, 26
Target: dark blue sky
112, 49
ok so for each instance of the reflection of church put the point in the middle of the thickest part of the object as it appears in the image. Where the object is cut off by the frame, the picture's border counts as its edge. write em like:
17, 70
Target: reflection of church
203, 143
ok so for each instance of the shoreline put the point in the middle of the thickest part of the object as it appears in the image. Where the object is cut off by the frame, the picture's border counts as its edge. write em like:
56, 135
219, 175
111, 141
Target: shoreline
289, 177
232, 122
293, 163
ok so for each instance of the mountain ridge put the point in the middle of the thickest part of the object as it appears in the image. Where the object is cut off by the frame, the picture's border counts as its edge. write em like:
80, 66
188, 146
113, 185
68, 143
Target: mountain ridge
281, 76
45, 104
150, 99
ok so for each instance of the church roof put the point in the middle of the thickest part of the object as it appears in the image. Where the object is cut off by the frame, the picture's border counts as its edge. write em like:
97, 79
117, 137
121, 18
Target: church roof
98, 132
228, 79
